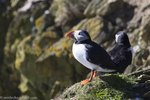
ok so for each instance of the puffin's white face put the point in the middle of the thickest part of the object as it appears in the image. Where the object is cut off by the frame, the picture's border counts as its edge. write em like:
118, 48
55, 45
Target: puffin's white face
80, 35
118, 35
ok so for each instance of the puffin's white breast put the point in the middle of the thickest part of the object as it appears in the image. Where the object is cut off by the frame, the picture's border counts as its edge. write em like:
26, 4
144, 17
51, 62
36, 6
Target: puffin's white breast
79, 52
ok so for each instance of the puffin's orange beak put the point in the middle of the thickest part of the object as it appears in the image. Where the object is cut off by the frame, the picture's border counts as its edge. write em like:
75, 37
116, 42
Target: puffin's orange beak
69, 34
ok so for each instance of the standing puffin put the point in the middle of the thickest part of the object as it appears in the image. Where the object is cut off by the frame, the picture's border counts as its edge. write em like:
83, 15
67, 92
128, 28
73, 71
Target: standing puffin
121, 54
90, 54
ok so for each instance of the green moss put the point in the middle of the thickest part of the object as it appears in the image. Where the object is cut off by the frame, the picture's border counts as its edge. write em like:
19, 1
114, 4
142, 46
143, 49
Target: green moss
107, 87
109, 94
117, 81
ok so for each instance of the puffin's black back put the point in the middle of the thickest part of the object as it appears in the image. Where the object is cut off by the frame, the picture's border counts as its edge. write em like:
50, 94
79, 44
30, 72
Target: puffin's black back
121, 54
98, 55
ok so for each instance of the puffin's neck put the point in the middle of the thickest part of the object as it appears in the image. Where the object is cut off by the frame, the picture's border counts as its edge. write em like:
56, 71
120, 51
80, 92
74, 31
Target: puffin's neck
126, 44
83, 42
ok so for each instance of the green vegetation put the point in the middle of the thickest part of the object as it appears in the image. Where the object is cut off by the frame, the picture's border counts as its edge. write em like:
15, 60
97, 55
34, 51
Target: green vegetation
107, 87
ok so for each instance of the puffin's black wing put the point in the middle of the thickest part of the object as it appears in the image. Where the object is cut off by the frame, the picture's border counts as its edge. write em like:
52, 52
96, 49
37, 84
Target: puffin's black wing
121, 55
97, 55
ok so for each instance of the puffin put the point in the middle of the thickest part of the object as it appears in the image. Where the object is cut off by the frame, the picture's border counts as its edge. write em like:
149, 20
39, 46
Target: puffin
90, 54
121, 54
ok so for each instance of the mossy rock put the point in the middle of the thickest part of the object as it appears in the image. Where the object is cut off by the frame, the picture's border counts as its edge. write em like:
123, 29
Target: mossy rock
68, 9
102, 7
106, 87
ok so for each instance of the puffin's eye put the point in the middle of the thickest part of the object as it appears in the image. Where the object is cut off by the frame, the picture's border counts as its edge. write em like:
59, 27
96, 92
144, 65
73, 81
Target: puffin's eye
79, 33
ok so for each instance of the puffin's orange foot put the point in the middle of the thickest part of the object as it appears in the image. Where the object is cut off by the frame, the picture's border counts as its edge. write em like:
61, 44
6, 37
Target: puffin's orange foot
85, 81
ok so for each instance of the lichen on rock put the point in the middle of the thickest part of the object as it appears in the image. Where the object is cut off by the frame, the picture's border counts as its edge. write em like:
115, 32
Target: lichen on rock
108, 86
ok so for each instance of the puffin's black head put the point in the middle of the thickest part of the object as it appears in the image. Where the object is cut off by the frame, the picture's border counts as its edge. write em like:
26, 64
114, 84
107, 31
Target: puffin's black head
122, 38
79, 35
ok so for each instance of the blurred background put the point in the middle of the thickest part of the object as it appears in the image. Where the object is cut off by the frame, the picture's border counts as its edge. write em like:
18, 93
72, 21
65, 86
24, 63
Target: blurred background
36, 58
